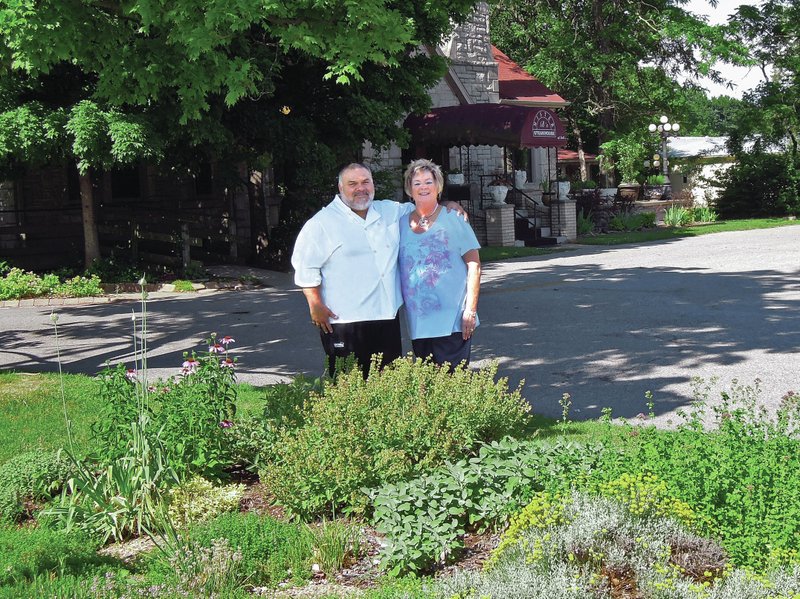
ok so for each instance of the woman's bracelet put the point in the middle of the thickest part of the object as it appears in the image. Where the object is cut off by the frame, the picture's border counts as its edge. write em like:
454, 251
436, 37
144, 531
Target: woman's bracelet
470, 314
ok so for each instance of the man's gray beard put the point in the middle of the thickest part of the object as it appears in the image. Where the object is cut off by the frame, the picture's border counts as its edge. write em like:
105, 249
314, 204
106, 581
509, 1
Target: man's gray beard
358, 204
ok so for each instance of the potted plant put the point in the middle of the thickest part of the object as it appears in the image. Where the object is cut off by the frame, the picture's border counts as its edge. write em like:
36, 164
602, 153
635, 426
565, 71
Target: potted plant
655, 187
498, 189
455, 177
547, 194
626, 155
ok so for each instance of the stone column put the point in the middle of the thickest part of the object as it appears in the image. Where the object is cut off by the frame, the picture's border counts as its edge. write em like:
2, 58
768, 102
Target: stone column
565, 218
500, 225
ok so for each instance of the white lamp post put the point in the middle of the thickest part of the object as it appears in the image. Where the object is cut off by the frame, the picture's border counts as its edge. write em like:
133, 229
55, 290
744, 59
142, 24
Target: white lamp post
664, 129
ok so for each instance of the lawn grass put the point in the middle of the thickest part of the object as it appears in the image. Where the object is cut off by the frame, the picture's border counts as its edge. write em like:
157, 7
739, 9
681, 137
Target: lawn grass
493, 254
623, 237
32, 415
32, 412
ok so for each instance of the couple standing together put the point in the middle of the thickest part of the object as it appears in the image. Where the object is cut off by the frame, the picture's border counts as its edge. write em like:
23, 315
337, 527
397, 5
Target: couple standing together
358, 260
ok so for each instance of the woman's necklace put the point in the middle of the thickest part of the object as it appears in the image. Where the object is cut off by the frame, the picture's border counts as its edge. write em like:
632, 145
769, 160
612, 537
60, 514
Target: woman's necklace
425, 220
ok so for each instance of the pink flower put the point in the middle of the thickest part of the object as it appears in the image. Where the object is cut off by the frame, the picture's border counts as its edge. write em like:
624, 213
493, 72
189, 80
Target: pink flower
216, 348
130, 374
226, 424
226, 340
227, 363
190, 366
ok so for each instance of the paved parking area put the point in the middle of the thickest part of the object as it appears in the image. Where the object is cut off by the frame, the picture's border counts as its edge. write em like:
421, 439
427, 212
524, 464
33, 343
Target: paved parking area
605, 325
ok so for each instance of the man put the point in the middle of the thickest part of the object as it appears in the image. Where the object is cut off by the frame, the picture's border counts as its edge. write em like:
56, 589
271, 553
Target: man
345, 259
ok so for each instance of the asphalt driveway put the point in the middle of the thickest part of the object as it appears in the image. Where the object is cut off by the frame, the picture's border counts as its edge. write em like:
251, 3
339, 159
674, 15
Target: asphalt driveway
605, 325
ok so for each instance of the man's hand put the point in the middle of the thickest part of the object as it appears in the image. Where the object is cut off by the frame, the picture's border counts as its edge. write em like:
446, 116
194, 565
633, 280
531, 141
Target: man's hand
450, 205
321, 315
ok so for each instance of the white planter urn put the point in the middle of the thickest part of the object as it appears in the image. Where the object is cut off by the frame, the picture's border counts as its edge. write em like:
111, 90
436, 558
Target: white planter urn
498, 193
455, 178
563, 190
520, 177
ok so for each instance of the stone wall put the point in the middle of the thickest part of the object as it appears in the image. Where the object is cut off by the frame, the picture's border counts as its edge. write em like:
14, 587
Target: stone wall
470, 53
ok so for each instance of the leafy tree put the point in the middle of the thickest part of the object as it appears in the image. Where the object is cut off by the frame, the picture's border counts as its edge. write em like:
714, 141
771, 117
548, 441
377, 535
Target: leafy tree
106, 82
614, 60
766, 177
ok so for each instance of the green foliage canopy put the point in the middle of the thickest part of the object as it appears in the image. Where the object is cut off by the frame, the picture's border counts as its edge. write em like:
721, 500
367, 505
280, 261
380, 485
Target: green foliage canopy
615, 62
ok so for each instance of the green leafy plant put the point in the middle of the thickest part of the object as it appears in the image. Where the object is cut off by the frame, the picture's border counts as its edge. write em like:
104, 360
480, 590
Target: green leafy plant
741, 478
31, 475
625, 154
114, 269
585, 223
361, 433
189, 414
657, 180
628, 221
271, 551
677, 216
197, 500
183, 286
19, 284
703, 214
425, 518
122, 498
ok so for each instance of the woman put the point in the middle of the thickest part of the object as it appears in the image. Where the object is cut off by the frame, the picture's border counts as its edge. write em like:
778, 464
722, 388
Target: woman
440, 271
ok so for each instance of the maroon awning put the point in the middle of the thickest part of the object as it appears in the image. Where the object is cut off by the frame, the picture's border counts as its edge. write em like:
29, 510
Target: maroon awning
488, 125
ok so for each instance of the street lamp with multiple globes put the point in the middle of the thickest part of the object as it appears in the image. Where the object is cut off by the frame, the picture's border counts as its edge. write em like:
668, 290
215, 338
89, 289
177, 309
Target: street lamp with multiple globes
664, 130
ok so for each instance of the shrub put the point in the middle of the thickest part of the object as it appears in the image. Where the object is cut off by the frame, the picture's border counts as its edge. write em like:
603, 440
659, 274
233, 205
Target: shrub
760, 184
31, 475
197, 500
361, 433
114, 269
628, 221
19, 284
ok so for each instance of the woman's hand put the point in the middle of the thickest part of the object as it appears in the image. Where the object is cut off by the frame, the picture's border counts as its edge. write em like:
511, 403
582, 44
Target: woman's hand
468, 319
450, 205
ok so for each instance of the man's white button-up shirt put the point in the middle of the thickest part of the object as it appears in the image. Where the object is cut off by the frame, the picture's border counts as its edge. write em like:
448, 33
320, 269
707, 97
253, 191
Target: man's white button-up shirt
353, 258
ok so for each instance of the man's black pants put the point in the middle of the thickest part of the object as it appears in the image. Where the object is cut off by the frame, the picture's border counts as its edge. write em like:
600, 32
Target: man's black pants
363, 339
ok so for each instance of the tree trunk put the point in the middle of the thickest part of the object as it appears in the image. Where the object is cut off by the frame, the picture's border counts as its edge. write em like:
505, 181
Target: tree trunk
91, 242
576, 131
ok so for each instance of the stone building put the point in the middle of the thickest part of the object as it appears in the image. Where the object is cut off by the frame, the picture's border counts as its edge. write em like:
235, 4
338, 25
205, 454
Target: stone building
496, 125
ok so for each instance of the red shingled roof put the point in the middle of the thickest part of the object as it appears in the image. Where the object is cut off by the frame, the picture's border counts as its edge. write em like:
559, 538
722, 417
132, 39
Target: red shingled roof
519, 87
565, 155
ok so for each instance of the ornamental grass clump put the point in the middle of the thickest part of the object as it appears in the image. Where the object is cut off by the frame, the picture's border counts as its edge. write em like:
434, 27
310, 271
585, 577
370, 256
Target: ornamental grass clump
363, 433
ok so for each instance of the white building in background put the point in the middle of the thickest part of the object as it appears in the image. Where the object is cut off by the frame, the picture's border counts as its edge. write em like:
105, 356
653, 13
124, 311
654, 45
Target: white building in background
696, 161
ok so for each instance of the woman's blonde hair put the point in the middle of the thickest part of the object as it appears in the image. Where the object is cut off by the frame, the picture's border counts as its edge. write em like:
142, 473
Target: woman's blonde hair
419, 166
